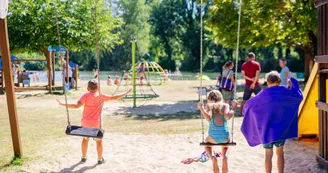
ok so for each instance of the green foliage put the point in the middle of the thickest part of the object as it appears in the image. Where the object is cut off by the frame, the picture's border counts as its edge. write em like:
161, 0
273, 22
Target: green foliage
169, 30
264, 23
17, 161
135, 14
32, 25
35, 66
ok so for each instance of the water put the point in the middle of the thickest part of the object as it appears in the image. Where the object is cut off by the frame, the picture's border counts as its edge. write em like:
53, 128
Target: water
87, 75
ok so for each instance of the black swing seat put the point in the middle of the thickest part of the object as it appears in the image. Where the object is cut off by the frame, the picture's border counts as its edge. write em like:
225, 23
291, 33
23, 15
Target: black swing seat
218, 144
84, 131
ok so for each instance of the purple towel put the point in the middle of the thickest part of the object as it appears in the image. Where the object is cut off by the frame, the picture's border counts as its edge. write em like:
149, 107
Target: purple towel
272, 115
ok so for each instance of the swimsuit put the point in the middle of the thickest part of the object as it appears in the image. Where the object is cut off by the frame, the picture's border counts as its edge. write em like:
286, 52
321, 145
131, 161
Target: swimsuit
220, 134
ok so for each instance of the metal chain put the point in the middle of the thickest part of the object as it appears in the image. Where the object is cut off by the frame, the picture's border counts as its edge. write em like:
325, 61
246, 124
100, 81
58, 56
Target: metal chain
64, 83
236, 65
201, 66
97, 58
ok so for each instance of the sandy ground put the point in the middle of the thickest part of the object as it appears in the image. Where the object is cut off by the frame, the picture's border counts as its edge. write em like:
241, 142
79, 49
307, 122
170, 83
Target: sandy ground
135, 152
157, 153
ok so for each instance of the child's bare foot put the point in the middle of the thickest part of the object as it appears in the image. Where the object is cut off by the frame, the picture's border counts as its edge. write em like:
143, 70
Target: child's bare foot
224, 164
216, 168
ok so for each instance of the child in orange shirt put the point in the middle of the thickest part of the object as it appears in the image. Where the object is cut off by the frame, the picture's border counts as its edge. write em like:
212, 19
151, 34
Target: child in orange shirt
91, 114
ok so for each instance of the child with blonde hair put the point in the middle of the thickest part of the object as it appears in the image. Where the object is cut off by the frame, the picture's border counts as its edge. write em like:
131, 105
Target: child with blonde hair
217, 113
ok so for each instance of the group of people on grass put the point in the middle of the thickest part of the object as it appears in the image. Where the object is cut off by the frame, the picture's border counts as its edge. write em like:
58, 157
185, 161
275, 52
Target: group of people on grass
219, 109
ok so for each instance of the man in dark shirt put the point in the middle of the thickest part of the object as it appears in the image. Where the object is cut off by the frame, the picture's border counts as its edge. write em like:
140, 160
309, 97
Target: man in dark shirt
251, 72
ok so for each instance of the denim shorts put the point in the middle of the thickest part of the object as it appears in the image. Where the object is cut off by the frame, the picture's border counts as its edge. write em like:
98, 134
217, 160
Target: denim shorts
276, 144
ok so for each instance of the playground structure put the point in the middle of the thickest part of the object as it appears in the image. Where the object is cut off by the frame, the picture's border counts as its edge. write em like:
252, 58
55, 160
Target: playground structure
22, 77
322, 62
152, 71
308, 121
57, 53
141, 87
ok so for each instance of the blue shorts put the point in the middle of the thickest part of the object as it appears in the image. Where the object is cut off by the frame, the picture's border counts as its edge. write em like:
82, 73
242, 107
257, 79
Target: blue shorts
276, 143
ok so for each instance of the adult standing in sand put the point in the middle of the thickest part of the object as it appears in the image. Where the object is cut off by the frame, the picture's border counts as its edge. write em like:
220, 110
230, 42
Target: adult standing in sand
251, 72
284, 73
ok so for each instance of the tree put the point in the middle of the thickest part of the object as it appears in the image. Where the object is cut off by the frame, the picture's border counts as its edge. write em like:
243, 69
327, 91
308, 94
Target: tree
267, 23
32, 25
135, 14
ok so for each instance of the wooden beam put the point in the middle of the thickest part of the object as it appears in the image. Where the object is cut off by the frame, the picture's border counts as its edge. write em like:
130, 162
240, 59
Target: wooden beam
322, 105
20, 89
321, 59
319, 3
11, 99
322, 161
29, 60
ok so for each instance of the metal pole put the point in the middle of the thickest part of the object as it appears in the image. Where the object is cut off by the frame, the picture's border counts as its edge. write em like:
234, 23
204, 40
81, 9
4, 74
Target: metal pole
133, 42
10, 94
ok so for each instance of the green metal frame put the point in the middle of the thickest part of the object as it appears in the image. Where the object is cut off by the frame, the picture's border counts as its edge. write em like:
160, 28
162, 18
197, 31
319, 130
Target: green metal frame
134, 72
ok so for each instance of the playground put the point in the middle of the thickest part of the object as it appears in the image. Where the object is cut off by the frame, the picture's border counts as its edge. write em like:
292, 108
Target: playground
127, 86
152, 138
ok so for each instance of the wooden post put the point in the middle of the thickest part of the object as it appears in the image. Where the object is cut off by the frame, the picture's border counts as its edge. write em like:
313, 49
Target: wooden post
67, 66
48, 57
53, 62
11, 99
76, 76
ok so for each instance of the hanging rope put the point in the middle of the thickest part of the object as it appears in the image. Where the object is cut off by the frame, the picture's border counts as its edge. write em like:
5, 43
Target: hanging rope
57, 23
97, 58
236, 65
201, 67
60, 56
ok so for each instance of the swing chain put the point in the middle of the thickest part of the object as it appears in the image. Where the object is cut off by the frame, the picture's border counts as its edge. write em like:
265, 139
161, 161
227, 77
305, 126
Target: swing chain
60, 56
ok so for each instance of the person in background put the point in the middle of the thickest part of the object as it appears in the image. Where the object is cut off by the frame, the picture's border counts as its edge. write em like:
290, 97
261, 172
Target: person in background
95, 73
228, 73
116, 81
16, 71
284, 73
109, 81
251, 72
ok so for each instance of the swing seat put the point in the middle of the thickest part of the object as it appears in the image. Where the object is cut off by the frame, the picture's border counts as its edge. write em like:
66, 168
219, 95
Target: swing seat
84, 131
218, 144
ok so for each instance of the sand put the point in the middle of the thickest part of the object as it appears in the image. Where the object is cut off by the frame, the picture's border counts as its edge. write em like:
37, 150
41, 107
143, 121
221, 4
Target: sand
162, 154
135, 152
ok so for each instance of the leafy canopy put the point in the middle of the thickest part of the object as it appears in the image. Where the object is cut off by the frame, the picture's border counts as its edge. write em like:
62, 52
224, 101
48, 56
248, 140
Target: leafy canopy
32, 25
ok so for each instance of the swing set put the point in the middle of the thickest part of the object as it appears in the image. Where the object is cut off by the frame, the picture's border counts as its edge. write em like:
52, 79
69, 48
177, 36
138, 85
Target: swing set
75, 130
201, 90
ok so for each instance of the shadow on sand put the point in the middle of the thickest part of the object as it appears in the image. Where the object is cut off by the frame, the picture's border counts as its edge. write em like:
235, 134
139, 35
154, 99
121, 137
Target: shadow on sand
71, 169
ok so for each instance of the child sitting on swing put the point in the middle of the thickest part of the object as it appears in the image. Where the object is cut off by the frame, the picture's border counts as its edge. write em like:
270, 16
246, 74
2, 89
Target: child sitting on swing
92, 114
217, 113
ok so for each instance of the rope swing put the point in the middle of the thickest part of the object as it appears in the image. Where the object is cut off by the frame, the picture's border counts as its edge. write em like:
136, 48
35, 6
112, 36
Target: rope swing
232, 143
